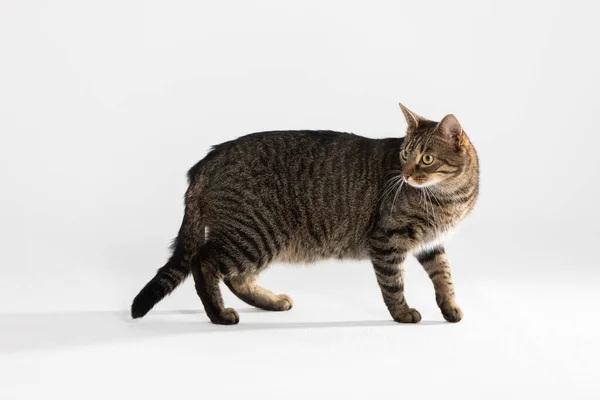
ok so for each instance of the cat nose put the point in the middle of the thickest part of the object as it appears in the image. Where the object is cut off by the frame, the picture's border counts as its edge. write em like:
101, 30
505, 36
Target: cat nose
405, 175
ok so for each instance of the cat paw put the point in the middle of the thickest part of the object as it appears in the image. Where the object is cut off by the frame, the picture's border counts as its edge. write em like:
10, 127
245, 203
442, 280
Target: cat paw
228, 316
451, 312
407, 316
283, 303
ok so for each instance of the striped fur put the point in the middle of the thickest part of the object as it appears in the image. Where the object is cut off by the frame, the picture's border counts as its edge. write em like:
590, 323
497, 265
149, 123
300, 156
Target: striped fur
303, 196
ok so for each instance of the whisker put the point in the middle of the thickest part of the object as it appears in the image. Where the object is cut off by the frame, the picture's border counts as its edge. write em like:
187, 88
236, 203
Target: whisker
432, 193
390, 182
388, 187
428, 193
425, 206
396, 196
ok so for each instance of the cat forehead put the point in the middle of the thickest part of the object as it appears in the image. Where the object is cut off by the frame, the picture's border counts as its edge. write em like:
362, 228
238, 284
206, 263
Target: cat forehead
424, 142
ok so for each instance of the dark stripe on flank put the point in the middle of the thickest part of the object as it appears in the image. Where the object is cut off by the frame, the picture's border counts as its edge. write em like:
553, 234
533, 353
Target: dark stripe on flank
257, 228
237, 247
248, 241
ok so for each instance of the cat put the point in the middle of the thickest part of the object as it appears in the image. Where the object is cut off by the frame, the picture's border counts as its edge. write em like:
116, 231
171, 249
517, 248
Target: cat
303, 196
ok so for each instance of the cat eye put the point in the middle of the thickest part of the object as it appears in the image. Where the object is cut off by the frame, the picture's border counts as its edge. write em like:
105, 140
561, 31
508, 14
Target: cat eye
427, 159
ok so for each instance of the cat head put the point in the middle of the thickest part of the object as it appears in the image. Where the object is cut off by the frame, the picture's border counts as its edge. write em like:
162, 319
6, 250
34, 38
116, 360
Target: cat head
434, 152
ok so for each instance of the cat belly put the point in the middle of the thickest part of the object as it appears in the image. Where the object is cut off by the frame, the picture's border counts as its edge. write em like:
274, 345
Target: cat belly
305, 253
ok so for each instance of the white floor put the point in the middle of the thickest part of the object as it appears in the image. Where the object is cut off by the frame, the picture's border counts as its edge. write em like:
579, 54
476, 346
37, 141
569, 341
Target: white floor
530, 331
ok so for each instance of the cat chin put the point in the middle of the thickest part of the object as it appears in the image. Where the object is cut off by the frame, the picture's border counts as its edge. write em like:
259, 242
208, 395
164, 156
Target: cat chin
430, 182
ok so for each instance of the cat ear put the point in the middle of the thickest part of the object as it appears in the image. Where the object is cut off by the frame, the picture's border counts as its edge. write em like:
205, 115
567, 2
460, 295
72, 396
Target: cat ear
413, 120
450, 128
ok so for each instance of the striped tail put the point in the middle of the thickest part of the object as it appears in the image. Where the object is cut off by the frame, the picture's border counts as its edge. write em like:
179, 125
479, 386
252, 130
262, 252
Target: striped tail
164, 282
185, 249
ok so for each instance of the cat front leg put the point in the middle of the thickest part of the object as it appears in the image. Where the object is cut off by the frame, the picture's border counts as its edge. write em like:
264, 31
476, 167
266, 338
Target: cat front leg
389, 270
435, 263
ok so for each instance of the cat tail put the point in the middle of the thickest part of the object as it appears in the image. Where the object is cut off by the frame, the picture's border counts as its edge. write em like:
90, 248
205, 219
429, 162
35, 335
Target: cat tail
171, 275
186, 248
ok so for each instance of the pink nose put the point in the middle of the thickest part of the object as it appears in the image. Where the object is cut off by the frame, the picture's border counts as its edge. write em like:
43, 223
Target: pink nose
405, 175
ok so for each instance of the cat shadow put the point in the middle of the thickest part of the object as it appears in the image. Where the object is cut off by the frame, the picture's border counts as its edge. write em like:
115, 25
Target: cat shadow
42, 331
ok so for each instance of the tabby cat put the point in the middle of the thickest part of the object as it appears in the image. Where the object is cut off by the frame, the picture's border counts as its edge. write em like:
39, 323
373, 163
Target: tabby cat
303, 196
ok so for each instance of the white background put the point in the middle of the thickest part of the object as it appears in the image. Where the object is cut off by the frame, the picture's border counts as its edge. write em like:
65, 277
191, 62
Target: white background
105, 105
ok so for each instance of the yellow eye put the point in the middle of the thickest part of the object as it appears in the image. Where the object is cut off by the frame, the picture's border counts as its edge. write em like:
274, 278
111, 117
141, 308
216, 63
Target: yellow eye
427, 159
